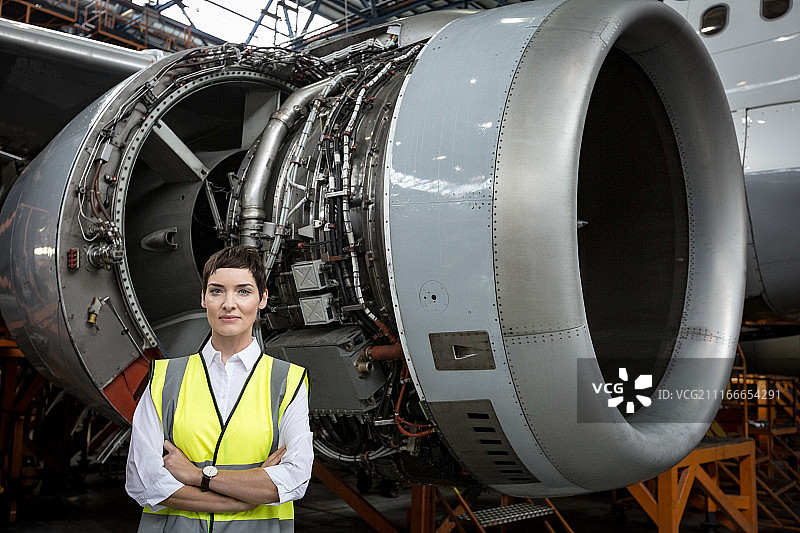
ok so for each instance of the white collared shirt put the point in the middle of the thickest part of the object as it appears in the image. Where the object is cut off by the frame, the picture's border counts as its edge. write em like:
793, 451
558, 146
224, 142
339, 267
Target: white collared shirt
148, 482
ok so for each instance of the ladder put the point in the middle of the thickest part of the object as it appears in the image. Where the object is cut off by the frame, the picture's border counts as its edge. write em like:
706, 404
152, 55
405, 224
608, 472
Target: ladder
509, 511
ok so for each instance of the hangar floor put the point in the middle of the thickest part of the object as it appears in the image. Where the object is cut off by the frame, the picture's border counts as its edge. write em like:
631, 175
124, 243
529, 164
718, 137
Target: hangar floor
103, 507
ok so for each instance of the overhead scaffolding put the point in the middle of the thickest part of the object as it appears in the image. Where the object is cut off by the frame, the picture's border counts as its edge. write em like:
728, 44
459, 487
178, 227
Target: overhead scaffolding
119, 22
295, 23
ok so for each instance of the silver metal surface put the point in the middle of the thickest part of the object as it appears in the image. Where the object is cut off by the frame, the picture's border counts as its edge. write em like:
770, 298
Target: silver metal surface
482, 444
78, 51
772, 182
32, 304
462, 350
552, 311
309, 276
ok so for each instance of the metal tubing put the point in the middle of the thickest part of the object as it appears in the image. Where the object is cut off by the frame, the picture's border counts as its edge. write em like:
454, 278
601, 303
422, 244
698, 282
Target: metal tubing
25, 39
256, 180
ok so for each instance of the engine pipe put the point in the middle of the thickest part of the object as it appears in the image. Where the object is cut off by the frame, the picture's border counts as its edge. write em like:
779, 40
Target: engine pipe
385, 352
256, 182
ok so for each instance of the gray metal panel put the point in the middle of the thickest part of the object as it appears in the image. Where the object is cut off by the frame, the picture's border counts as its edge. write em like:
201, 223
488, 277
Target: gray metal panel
462, 350
328, 355
772, 180
32, 308
308, 276
773, 198
482, 446
772, 134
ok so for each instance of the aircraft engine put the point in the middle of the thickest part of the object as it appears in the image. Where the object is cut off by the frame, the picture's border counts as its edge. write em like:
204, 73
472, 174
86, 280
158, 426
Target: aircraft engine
479, 228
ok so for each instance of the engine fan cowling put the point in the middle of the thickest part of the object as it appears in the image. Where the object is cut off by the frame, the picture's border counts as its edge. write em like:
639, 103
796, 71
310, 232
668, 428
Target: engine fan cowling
567, 111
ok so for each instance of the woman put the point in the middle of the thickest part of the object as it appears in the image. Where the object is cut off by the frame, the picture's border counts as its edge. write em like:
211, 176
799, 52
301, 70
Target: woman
207, 451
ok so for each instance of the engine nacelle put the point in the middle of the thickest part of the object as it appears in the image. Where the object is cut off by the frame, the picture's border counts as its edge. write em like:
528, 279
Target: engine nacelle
477, 227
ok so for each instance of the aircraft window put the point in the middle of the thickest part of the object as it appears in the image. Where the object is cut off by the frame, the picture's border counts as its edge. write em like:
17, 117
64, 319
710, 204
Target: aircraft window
772, 9
714, 20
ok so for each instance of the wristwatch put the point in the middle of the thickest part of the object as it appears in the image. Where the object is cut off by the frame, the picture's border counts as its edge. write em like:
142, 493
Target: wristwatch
208, 472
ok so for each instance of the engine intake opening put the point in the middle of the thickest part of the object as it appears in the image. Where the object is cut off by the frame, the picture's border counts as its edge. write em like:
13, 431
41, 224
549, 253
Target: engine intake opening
633, 251
182, 166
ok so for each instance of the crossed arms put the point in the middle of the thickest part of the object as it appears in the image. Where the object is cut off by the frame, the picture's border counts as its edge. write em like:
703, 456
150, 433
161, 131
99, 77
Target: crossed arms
173, 481
230, 491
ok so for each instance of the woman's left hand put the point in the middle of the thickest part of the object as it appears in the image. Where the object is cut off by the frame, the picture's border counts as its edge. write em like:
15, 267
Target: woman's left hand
275, 458
180, 467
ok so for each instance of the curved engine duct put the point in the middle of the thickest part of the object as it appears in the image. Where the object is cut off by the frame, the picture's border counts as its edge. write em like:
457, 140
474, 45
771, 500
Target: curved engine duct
473, 242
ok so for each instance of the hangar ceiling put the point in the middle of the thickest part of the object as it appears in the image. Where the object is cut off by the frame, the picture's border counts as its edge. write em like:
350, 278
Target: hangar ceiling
168, 25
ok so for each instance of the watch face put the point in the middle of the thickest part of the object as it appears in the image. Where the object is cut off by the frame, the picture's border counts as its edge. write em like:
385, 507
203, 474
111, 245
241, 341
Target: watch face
210, 471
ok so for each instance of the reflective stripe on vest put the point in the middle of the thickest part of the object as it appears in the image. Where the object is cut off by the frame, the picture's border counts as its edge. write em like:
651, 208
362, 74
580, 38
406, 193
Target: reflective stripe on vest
181, 392
168, 523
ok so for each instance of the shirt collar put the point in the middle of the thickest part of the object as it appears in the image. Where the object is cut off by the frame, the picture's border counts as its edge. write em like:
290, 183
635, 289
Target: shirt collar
248, 356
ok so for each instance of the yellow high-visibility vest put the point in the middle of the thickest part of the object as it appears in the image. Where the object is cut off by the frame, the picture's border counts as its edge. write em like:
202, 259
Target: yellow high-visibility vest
181, 392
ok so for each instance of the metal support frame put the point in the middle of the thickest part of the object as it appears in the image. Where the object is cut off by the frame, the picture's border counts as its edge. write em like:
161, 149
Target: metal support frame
15, 398
422, 513
264, 12
286, 9
167, 5
256, 23
701, 469
314, 11
361, 506
776, 410
767, 408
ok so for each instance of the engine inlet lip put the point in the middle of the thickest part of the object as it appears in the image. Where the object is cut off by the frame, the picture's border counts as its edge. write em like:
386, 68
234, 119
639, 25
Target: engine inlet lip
666, 48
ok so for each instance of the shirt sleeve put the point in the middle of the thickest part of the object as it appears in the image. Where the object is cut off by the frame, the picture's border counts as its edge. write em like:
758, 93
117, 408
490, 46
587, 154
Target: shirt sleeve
291, 475
146, 479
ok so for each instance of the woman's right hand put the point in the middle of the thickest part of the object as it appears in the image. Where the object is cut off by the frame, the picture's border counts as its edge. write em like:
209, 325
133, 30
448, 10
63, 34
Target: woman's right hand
240, 506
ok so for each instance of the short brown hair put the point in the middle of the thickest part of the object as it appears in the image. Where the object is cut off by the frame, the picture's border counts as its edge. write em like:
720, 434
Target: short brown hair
237, 257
